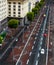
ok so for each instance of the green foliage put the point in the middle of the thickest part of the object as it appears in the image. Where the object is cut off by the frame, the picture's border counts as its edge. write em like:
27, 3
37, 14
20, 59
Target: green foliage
37, 6
35, 10
40, 4
1, 39
42, 1
13, 23
30, 16
3, 34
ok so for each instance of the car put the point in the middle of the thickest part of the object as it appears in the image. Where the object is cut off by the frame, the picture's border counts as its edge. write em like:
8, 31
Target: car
42, 51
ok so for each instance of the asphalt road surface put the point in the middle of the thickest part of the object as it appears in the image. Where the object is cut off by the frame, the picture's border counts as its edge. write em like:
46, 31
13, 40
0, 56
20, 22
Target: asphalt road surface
51, 19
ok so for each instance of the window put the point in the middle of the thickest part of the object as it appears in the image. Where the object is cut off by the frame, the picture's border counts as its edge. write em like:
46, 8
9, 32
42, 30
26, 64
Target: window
14, 12
9, 2
18, 12
19, 6
14, 9
14, 2
14, 15
9, 15
9, 5
19, 3
9, 12
18, 15
18, 9
14, 5
9, 8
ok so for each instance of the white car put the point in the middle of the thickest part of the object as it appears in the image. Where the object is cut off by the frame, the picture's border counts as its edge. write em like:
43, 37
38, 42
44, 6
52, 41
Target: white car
42, 51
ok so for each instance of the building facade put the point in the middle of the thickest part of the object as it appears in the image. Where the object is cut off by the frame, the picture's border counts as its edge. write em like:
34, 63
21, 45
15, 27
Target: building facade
19, 8
15, 9
3, 13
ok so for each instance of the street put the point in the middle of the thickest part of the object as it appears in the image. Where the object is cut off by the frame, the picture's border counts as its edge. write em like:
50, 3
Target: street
26, 49
51, 44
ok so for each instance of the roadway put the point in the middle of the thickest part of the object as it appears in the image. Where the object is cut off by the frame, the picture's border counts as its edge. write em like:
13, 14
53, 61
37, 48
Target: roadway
51, 44
26, 41
37, 58
30, 29
9, 43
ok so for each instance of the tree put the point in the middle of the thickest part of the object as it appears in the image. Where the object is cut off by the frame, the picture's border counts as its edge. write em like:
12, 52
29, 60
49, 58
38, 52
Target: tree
35, 10
42, 1
30, 16
40, 4
37, 6
13, 23
3, 34
1, 39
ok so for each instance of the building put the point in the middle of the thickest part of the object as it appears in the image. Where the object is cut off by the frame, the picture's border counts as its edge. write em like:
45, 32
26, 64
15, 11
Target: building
19, 8
3, 13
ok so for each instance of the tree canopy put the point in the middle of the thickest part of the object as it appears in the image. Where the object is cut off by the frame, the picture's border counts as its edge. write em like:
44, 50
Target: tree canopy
42, 1
13, 23
39, 4
30, 16
1, 39
35, 10
3, 34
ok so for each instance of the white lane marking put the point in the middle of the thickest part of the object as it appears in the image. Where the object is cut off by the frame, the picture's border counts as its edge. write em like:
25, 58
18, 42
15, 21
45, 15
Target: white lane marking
30, 53
32, 47
36, 62
40, 43
36, 34
27, 61
34, 42
35, 38
38, 55
40, 48
41, 38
